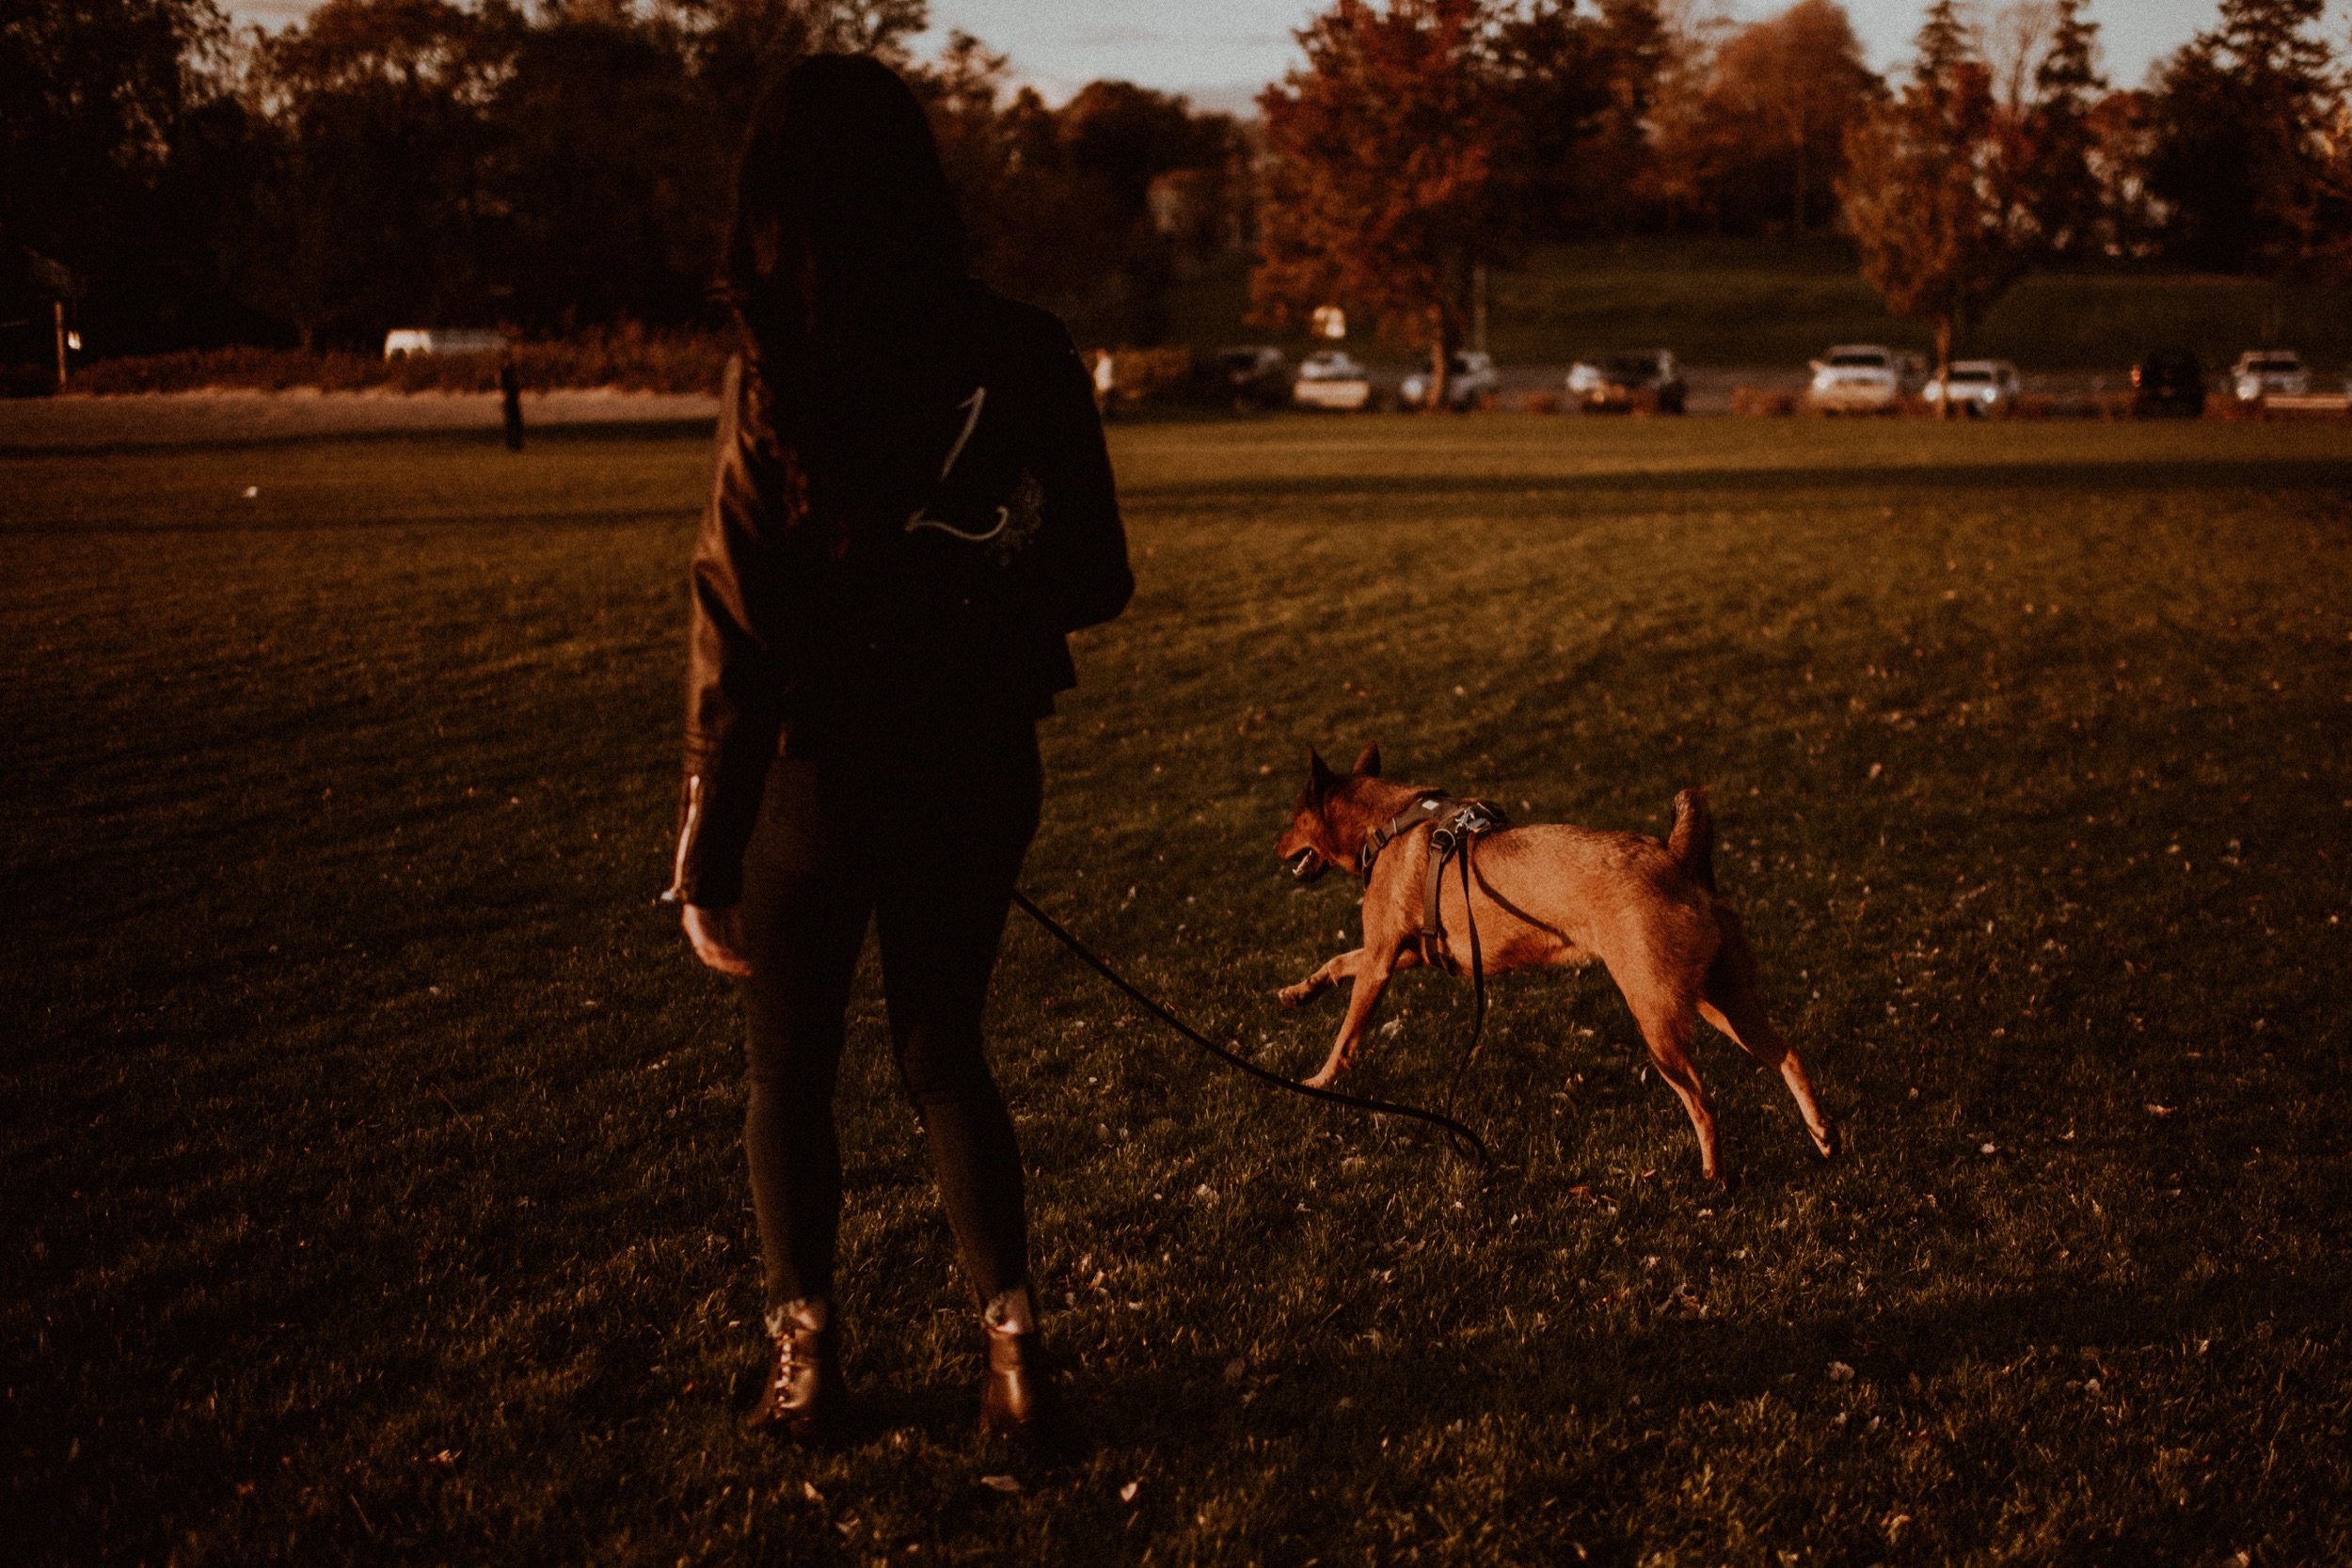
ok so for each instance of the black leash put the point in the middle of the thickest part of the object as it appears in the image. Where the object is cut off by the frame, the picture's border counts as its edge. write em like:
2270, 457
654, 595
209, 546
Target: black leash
1459, 1138
1467, 847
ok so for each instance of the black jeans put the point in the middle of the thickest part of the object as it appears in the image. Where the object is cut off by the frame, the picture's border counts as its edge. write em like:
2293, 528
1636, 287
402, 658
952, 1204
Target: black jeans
924, 840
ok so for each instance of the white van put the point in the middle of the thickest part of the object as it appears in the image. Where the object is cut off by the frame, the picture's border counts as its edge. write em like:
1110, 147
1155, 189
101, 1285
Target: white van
402, 341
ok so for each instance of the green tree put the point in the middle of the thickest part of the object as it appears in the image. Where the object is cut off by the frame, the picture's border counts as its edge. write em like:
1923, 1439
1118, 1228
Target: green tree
1577, 91
1783, 93
1075, 208
113, 112
1384, 155
1933, 205
738, 46
2243, 113
375, 212
609, 173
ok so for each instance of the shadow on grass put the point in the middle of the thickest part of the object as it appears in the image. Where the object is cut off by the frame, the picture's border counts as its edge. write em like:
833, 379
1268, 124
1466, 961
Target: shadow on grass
479, 437
1275, 497
501, 520
1675, 1365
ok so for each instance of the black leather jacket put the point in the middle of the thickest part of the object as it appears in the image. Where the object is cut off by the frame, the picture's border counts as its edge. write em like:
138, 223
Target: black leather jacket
990, 531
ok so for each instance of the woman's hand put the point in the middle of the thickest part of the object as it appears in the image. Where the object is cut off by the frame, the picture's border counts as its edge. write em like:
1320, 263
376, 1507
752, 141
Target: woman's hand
718, 939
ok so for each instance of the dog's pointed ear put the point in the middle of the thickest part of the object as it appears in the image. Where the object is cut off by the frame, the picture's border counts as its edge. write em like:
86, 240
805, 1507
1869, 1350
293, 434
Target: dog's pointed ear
1319, 778
1368, 760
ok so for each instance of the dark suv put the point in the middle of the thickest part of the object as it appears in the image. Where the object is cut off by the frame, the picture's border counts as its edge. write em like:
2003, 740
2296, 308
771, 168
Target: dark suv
1649, 380
2167, 384
1253, 376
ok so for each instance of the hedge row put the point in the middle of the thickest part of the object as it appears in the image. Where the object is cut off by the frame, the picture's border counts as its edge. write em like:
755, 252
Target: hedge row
624, 358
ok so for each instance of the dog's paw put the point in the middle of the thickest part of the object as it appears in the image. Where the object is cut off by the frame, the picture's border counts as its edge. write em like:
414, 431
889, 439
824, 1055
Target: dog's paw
1826, 1141
1320, 1081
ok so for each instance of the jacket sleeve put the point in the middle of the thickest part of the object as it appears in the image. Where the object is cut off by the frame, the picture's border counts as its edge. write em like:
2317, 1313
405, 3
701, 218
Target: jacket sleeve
1088, 580
735, 678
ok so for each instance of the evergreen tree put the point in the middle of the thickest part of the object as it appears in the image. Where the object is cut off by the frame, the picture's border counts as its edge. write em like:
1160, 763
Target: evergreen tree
2240, 157
2064, 192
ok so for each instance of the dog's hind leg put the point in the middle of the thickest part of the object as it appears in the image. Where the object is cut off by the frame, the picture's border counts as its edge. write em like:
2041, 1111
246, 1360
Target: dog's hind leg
1733, 1003
1667, 1025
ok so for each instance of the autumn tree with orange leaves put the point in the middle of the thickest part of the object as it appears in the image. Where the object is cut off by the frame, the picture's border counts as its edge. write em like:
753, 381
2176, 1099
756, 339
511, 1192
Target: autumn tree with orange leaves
1785, 89
1932, 193
1382, 183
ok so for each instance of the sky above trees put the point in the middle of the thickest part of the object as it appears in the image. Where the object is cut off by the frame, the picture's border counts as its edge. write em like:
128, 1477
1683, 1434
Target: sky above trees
1221, 51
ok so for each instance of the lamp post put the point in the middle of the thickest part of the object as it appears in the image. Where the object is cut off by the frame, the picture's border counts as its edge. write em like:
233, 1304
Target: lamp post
57, 282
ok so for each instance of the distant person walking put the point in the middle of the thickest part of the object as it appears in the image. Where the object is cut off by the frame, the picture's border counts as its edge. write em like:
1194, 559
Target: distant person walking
511, 402
912, 507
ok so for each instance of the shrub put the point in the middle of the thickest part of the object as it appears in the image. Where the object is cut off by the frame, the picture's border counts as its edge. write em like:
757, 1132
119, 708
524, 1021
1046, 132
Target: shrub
1152, 374
1758, 403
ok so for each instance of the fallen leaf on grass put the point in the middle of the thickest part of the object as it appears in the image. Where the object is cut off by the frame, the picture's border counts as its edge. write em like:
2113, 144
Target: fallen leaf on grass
1127, 1492
2155, 1110
1006, 1484
1840, 1372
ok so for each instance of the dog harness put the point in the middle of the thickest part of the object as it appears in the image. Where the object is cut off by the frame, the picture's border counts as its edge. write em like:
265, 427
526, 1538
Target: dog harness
1455, 826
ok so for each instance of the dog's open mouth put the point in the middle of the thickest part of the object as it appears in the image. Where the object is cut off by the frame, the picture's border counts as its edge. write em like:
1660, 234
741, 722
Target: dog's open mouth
1307, 865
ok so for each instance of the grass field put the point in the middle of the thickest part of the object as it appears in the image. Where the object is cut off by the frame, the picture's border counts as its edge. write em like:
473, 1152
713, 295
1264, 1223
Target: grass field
374, 1188
1759, 302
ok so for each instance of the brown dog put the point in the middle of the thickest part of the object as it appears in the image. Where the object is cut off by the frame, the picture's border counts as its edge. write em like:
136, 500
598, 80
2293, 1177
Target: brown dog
1550, 895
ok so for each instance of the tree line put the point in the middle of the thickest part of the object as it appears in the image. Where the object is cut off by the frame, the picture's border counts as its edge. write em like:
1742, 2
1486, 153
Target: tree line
1423, 139
391, 163
560, 165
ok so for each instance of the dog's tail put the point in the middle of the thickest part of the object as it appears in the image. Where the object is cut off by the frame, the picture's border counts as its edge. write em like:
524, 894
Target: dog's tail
1693, 838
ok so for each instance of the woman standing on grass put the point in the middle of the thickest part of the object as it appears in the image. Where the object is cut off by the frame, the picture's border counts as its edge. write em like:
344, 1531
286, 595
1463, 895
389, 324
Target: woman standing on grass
912, 507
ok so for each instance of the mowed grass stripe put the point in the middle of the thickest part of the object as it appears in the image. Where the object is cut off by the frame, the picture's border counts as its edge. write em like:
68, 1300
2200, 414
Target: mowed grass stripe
374, 1141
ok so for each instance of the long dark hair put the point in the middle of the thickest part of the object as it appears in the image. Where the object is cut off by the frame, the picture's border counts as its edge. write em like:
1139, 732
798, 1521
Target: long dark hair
845, 256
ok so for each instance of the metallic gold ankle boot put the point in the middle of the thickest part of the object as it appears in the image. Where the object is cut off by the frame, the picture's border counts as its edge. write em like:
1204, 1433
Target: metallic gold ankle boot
1018, 1401
1015, 1396
804, 1399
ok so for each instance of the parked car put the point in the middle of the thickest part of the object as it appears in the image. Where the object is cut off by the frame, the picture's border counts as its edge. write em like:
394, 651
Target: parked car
2168, 383
1862, 378
1469, 376
1649, 379
1331, 378
2261, 373
1979, 387
1254, 374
